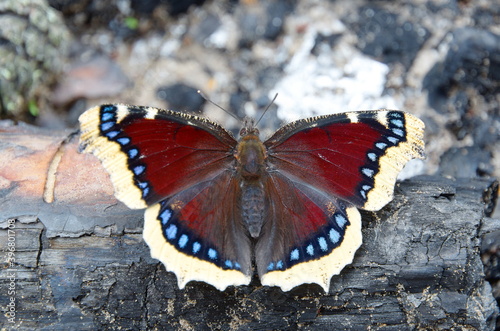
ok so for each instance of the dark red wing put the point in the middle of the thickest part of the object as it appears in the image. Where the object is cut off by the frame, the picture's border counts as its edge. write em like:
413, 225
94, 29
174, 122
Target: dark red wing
353, 156
152, 154
199, 235
308, 237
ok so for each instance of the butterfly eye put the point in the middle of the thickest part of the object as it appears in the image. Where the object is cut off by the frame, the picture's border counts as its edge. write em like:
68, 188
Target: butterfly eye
249, 127
249, 131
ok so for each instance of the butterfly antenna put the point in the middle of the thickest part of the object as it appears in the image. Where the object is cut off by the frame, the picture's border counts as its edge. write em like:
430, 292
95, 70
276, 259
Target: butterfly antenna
267, 108
216, 105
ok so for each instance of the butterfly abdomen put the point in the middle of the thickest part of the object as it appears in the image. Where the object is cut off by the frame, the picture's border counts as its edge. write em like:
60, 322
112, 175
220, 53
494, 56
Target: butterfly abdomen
252, 207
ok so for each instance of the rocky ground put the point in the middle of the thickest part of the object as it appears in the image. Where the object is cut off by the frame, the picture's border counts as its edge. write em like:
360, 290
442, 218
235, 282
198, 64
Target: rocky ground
439, 60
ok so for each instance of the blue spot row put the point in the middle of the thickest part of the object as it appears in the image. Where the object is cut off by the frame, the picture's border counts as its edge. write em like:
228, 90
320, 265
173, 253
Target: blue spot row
186, 242
111, 130
279, 265
393, 136
396, 124
108, 121
232, 265
326, 240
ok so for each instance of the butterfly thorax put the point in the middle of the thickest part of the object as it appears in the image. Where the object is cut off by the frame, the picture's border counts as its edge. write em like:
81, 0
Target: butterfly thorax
250, 156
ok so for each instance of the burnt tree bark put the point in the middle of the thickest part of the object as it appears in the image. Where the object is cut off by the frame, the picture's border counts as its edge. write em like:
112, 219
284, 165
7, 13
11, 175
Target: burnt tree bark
79, 262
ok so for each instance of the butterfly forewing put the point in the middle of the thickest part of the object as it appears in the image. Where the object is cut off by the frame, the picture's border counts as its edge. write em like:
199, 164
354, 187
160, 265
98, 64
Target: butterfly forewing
151, 154
353, 156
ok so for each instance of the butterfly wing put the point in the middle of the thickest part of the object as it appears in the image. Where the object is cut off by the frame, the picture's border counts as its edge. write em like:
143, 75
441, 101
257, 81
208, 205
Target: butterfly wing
199, 234
150, 153
308, 237
320, 170
177, 165
354, 156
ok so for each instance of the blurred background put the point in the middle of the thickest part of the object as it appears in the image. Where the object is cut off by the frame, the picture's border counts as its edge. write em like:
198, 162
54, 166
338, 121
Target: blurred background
437, 59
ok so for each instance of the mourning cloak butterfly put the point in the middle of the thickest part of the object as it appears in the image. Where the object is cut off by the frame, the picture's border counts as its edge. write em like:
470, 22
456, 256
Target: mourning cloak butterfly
215, 205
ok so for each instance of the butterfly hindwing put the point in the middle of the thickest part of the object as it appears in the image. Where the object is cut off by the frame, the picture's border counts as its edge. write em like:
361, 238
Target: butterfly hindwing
309, 236
150, 153
354, 156
199, 235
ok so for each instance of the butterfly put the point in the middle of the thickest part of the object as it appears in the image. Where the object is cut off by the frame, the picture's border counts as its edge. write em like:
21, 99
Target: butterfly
217, 207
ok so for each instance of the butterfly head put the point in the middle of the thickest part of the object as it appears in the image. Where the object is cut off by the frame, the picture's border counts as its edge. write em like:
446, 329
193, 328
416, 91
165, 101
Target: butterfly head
249, 128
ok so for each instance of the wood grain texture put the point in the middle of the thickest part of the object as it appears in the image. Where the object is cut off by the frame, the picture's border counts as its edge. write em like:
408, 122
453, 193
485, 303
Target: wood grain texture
81, 262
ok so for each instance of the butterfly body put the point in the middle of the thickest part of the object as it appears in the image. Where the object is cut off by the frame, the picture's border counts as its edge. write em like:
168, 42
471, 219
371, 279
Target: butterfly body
215, 204
250, 157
